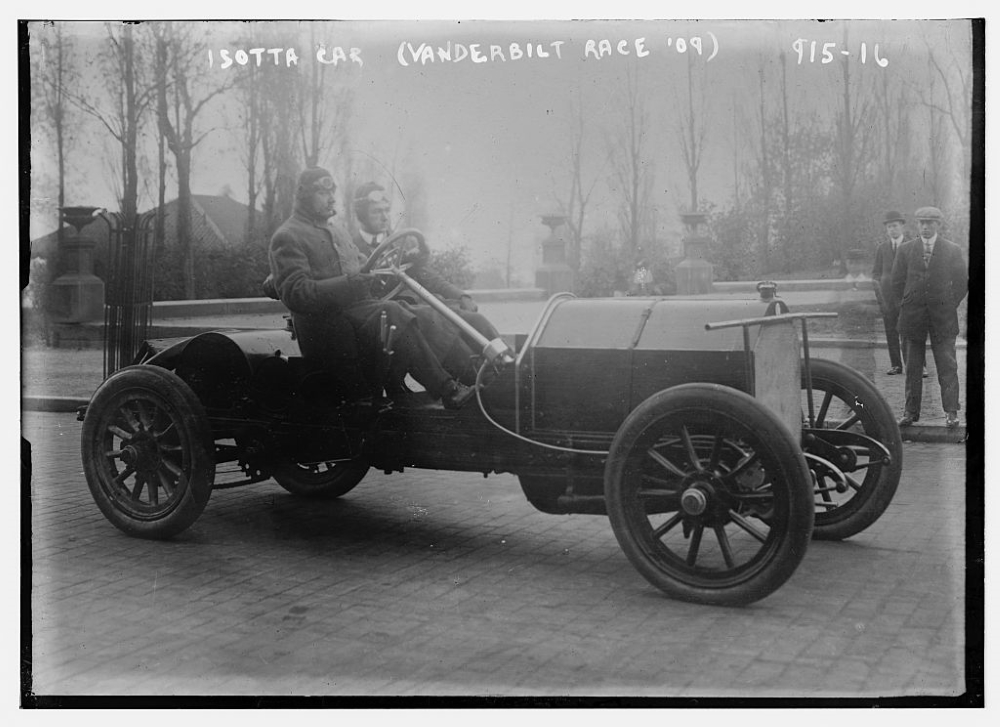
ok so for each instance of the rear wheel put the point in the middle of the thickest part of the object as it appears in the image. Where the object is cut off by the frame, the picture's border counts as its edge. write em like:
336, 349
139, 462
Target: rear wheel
319, 479
709, 495
148, 452
852, 419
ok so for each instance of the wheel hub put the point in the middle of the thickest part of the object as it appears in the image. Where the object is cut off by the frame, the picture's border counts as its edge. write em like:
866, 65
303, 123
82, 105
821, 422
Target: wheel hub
694, 501
705, 499
143, 455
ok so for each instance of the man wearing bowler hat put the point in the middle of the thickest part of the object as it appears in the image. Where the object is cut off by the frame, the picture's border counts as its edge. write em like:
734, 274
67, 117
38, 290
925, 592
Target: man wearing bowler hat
885, 254
930, 278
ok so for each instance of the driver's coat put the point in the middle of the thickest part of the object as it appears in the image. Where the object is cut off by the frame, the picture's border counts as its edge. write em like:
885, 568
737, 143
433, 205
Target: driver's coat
315, 268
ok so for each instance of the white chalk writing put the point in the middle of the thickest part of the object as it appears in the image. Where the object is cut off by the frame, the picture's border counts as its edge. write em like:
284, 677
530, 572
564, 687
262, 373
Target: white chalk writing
407, 53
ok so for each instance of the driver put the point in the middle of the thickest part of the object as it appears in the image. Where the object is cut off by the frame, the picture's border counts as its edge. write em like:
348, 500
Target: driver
372, 210
317, 274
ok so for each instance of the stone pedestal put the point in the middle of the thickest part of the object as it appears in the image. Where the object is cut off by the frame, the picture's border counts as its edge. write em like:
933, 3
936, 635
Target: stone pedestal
77, 295
554, 275
694, 273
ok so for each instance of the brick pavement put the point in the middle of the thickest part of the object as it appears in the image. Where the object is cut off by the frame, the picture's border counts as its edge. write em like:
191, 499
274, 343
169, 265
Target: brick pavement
435, 583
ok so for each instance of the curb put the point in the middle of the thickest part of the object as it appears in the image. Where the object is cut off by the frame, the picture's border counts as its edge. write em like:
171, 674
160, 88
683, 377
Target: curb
60, 404
933, 434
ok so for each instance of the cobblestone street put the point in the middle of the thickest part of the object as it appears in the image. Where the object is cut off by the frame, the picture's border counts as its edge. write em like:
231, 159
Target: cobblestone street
440, 583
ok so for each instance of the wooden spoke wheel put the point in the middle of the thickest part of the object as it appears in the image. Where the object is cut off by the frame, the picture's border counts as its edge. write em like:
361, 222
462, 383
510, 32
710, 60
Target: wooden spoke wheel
709, 495
148, 453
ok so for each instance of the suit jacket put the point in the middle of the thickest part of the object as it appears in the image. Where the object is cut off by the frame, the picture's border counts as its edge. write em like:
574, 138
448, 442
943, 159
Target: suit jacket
929, 294
882, 275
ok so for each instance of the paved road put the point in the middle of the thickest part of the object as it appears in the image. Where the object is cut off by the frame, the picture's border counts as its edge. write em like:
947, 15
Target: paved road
431, 583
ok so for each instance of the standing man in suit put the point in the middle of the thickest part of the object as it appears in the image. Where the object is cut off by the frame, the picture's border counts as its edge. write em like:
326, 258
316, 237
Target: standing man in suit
885, 254
930, 278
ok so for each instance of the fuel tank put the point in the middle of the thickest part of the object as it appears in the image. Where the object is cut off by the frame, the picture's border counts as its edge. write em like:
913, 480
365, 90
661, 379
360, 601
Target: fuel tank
224, 366
596, 359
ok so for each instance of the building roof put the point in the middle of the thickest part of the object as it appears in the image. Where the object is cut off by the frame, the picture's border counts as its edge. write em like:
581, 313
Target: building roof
224, 217
215, 221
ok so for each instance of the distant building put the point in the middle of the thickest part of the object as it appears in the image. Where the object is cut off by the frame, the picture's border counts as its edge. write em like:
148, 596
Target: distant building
216, 222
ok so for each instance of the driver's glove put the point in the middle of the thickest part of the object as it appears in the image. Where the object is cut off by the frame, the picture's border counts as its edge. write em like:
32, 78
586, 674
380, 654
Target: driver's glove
466, 303
362, 284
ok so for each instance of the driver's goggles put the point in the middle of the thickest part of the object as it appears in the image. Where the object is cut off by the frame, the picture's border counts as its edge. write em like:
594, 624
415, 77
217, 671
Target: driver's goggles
375, 197
325, 183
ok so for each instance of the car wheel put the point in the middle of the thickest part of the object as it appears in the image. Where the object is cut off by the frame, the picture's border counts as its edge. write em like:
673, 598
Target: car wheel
319, 479
709, 495
852, 419
148, 453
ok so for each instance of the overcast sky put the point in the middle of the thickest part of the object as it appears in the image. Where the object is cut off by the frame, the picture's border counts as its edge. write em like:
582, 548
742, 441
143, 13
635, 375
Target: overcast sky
489, 137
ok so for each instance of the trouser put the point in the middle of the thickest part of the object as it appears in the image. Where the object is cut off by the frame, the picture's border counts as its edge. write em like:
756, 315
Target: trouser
456, 350
946, 362
411, 352
897, 356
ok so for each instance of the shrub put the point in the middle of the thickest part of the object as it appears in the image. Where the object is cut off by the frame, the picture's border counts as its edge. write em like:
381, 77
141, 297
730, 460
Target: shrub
453, 265
225, 272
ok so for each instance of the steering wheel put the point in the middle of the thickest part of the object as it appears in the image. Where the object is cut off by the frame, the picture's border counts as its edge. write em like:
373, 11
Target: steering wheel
396, 253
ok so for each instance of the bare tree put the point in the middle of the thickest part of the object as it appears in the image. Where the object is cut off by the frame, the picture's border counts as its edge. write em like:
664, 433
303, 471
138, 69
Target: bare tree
936, 147
249, 109
762, 179
736, 154
852, 152
581, 188
787, 171
54, 70
278, 122
954, 101
324, 107
122, 112
632, 170
693, 128
893, 112
181, 97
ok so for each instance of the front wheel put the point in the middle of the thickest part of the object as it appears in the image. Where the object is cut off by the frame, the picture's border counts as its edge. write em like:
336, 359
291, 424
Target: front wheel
148, 453
855, 431
709, 495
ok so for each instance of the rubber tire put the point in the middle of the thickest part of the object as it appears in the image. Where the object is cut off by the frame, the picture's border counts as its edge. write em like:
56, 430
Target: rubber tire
170, 395
339, 480
715, 404
878, 423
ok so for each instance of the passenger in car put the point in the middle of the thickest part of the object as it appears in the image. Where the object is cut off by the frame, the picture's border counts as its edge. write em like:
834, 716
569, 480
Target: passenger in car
372, 210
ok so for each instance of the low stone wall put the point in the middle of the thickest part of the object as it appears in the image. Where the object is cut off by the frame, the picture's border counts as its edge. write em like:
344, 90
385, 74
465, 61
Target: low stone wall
168, 309
784, 286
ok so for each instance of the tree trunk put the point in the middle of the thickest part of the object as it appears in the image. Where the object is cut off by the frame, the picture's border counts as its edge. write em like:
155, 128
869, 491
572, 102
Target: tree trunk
184, 242
764, 240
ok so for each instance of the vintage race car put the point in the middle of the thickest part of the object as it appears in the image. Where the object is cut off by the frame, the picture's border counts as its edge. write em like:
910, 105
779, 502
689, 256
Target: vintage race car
701, 427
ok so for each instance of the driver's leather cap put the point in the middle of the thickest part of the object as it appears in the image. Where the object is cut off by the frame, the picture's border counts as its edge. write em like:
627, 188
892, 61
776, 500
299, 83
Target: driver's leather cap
316, 177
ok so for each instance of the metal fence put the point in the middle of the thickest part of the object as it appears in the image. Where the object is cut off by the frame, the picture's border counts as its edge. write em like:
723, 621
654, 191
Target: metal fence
128, 289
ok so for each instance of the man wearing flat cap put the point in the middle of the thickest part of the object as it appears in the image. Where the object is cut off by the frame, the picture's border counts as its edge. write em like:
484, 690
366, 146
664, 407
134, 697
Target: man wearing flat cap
930, 278
885, 254
372, 210
316, 272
